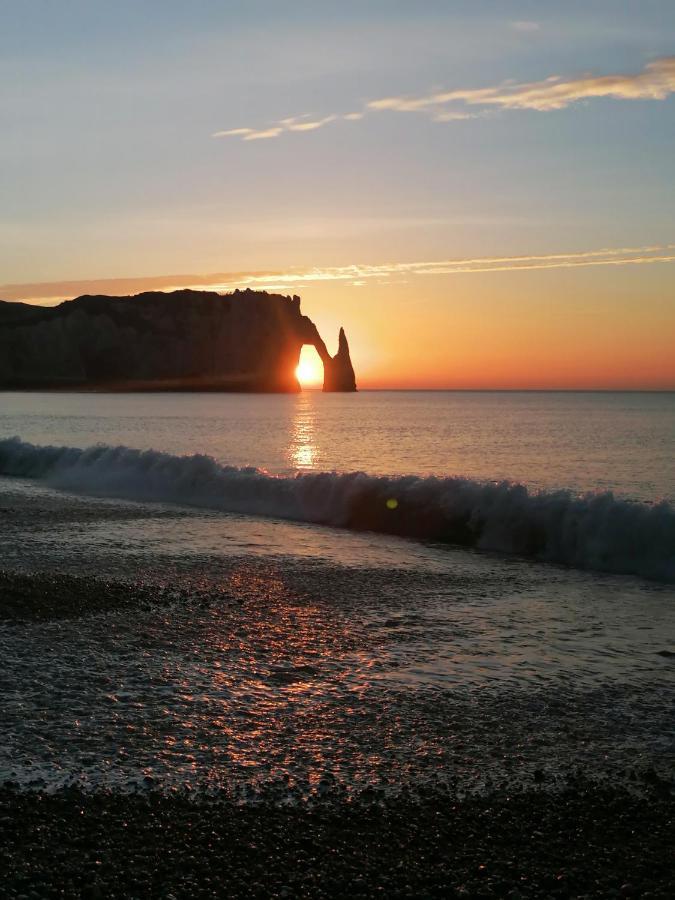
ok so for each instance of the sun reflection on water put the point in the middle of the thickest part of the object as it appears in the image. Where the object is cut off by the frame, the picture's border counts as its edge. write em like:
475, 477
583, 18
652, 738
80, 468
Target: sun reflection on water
302, 448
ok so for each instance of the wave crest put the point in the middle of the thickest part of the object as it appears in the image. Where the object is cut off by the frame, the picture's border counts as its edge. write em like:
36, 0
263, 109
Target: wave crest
591, 531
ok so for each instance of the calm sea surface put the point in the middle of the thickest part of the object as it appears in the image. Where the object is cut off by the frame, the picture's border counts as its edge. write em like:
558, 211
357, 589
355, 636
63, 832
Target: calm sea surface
623, 442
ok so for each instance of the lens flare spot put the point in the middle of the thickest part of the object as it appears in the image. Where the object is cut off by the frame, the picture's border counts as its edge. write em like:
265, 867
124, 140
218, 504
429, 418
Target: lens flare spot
392, 503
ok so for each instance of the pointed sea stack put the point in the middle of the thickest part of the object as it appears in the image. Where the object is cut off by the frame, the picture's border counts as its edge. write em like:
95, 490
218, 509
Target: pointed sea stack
338, 372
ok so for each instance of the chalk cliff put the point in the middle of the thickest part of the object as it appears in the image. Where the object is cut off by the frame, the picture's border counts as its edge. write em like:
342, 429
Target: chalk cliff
184, 340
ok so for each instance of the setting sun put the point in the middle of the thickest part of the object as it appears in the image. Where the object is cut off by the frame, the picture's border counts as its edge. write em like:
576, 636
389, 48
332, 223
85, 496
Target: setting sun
309, 371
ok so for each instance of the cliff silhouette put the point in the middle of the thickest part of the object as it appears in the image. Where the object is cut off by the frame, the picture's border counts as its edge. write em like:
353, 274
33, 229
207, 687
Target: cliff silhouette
180, 341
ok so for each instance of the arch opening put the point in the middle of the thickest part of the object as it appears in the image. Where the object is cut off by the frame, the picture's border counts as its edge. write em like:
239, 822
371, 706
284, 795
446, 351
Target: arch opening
309, 370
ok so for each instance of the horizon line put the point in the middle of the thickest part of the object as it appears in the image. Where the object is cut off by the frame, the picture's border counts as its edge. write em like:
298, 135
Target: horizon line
365, 390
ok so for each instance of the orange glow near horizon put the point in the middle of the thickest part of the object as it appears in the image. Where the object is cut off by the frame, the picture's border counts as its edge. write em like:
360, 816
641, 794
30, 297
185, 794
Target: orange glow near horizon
309, 371
570, 329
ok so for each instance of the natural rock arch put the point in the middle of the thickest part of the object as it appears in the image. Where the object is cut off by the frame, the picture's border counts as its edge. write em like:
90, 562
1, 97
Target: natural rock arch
338, 371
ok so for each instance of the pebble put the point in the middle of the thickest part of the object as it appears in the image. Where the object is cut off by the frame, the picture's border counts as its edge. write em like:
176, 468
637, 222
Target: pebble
515, 845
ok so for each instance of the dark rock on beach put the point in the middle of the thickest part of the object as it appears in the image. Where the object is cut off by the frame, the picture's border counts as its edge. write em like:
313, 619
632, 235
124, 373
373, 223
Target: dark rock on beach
53, 596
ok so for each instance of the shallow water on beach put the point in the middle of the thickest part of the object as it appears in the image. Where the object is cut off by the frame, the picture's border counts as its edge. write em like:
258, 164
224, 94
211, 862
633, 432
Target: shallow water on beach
291, 660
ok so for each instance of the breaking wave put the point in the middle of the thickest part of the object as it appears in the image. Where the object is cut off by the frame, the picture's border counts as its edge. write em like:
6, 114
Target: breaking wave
591, 531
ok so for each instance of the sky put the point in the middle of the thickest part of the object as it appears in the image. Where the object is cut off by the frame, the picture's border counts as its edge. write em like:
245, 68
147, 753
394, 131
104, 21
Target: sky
482, 193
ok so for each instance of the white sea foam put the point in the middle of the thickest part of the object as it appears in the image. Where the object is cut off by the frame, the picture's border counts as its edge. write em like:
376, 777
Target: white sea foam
591, 531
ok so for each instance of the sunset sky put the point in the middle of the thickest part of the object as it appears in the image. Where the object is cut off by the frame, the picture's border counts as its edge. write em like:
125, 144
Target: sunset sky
482, 193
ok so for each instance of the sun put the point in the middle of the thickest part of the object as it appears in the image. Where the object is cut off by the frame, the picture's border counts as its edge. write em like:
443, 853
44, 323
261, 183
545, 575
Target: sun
310, 368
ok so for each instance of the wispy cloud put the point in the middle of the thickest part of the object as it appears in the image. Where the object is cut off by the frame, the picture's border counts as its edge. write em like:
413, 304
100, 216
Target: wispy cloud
233, 132
656, 81
264, 134
294, 123
304, 123
473, 265
356, 275
251, 134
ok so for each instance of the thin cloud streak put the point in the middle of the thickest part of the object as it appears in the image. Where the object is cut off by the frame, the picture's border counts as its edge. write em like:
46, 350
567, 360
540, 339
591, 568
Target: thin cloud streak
656, 81
47, 293
482, 265
59, 290
300, 123
294, 123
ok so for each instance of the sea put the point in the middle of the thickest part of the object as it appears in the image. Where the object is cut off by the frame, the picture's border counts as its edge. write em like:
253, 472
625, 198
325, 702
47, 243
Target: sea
336, 593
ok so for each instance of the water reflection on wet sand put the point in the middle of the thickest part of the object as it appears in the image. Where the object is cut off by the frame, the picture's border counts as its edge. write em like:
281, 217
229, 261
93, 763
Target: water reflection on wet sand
263, 664
277, 678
